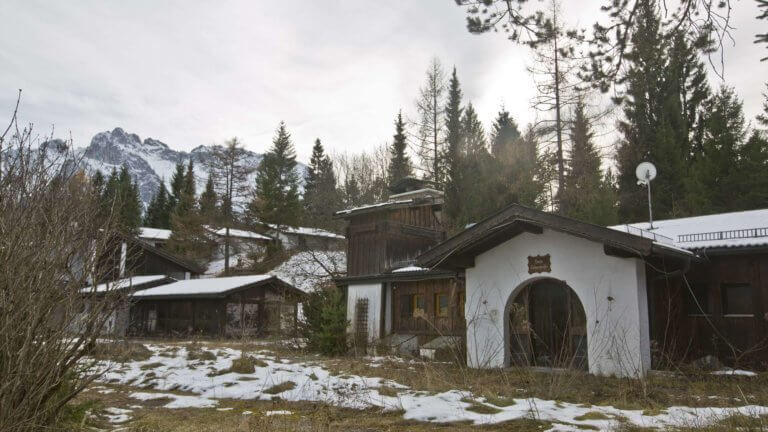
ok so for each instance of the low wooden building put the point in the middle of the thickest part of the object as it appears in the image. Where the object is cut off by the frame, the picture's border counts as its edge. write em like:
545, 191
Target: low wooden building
232, 306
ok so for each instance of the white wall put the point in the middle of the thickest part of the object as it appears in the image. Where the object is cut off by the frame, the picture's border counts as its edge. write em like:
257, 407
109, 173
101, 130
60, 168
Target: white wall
612, 291
372, 292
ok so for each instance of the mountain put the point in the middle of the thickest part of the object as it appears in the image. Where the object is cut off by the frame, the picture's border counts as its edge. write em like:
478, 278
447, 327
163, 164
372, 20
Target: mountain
150, 161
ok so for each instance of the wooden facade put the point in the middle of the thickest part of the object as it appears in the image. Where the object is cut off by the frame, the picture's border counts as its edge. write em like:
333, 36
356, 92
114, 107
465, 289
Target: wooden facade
254, 311
433, 306
719, 308
393, 237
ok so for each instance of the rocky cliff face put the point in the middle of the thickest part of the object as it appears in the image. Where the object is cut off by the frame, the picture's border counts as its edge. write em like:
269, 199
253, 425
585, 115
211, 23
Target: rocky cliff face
149, 161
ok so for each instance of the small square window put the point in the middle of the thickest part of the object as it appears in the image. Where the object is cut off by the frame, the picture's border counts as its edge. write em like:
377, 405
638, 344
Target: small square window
697, 299
441, 305
737, 299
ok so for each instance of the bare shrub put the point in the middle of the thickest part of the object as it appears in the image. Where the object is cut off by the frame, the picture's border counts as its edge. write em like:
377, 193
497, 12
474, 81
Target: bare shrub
53, 243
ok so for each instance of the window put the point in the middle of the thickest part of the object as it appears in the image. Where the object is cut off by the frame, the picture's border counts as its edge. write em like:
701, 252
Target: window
419, 306
697, 299
737, 299
441, 305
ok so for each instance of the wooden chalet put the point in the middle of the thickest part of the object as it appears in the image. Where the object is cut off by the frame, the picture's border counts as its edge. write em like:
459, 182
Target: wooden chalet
388, 298
236, 306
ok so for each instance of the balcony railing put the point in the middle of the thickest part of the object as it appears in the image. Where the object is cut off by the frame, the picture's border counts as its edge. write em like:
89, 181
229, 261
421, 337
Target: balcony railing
723, 235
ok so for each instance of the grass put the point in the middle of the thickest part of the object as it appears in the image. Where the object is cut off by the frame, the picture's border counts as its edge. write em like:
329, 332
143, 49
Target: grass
243, 365
388, 391
121, 352
279, 388
149, 366
592, 415
195, 352
499, 401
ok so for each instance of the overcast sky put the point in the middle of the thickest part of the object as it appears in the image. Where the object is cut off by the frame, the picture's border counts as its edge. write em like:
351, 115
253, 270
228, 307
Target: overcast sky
198, 72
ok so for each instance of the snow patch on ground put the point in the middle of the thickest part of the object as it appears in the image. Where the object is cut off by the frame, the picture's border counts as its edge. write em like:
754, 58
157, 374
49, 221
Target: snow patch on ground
738, 372
278, 412
210, 380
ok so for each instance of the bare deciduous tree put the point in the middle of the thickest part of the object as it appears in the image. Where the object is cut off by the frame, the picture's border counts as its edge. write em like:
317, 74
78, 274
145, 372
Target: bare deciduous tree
52, 245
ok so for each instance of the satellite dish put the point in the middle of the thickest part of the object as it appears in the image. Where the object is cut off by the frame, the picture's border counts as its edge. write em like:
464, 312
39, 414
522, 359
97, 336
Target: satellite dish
645, 172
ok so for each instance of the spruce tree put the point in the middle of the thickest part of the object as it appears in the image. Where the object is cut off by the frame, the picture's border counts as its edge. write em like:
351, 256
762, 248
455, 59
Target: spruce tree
399, 162
185, 202
277, 183
475, 141
762, 118
97, 183
321, 197
454, 157
715, 173
586, 194
207, 202
753, 168
664, 89
478, 165
504, 134
158, 210
127, 204
177, 184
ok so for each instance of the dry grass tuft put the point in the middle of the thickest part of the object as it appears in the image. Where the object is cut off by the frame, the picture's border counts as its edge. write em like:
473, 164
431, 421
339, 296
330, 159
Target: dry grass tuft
279, 388
121, 352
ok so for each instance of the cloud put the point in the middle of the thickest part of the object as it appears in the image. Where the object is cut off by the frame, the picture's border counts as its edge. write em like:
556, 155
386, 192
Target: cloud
197, 72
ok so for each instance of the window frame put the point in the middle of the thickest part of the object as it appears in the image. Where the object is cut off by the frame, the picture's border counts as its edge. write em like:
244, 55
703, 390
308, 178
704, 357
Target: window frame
724, 303
440, 311
416, 311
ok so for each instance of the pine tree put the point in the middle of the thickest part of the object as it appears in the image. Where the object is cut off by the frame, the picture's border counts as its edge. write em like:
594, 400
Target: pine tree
207, 202
399, 162
586, 194
475, 141
454, 157
185, 202
715, 173
505, 133
127, 204
277, 184
430, 106
517, 167
477, 167
321, 197
97, 183
763, 117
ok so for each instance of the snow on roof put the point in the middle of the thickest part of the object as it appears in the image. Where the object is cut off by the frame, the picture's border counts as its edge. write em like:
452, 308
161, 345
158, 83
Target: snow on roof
154, 233
371, 206
307, 270
134, 281
197, 287
722, 230
238, 233
410, 269
317, 232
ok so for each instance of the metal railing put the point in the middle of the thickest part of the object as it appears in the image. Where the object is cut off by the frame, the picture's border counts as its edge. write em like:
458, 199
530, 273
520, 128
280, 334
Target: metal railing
723, 235
648, 234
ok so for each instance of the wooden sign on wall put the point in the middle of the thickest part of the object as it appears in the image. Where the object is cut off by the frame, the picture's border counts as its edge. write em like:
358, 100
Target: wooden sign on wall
539, 264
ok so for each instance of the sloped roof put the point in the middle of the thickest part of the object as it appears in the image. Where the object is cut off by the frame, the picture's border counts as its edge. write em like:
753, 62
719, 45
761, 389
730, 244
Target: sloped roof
459, 250
154, 233
238, 233
721, 230
134, 282
210, 288
181, 262
307, 231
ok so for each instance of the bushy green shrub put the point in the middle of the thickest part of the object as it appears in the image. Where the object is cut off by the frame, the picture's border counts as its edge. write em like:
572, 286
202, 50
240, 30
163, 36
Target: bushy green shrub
324, 323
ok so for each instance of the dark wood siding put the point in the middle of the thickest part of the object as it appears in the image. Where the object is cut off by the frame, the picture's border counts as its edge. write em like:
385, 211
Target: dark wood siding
406, 320
682, 330
378, 242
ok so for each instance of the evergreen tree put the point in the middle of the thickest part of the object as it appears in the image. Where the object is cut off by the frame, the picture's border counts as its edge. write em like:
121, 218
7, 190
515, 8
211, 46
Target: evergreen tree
277, 183
763, 117
177, 184
185, 202
505, 133
121, 200
454, 158
587, 195
517, 167
97, 183
477, 167
475, 141
715, 173
753, 168
665, 86
158, 213
207, 202
321, 197
399, 162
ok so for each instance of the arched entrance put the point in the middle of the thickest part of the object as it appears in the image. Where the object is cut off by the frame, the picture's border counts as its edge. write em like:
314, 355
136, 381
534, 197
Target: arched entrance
547, 326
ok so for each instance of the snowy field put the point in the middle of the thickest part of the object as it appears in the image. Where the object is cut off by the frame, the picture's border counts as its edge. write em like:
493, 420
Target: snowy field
205, 383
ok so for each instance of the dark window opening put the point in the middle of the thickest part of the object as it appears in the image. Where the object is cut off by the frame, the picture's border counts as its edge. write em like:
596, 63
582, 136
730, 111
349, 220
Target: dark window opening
697, 299
737, 299
441, 305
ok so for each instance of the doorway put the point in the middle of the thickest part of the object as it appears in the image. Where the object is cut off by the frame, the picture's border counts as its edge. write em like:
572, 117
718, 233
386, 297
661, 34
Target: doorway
547, 327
